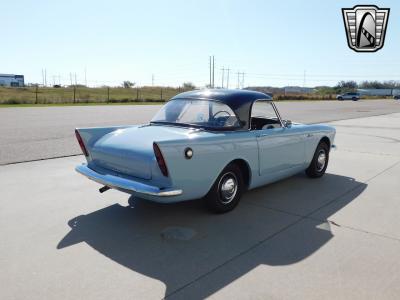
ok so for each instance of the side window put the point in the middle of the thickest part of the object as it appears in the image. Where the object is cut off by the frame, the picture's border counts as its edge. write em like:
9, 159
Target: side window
263, 116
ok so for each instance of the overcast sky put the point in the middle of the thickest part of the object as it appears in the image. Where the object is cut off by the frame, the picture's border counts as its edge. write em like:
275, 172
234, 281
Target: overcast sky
273, 42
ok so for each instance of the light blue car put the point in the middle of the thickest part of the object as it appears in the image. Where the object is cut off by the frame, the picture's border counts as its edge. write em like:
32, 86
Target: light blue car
212, 144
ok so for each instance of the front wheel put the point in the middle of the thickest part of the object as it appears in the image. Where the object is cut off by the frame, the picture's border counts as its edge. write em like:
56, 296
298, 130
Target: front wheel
340, 98
319, 162
226, 191
355, 99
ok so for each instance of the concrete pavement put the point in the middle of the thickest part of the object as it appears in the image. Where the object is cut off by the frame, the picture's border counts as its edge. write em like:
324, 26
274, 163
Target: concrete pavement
334, 238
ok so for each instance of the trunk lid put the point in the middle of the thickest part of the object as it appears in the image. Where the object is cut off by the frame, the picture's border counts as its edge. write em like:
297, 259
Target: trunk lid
130, 150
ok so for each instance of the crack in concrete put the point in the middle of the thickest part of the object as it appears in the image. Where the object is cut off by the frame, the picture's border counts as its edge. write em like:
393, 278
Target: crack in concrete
376, 136
40, 159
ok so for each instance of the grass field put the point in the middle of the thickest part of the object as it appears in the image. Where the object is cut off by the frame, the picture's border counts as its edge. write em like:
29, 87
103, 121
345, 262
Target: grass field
81, 104
32, 96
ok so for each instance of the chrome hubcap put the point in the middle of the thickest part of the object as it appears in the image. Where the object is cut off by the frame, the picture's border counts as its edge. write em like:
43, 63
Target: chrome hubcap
321, 160
228, 187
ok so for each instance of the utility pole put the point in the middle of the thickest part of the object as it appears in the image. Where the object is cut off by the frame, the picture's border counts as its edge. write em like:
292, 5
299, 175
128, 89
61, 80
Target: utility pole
152, 79
213, 71
75, 80
70, 77
223, 74
210, 70
227, 79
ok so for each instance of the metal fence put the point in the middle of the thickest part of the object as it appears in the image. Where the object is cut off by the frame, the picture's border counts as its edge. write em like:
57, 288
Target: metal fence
81, 94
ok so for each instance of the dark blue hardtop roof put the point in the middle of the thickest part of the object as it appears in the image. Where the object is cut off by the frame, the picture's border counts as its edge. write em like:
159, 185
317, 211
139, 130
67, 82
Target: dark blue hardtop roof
230, 97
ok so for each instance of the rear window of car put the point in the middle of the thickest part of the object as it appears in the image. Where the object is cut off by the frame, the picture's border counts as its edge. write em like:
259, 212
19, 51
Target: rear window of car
199, 113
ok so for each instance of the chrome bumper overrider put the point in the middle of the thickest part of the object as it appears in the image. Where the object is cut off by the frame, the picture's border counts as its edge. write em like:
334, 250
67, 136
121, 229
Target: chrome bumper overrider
126, 185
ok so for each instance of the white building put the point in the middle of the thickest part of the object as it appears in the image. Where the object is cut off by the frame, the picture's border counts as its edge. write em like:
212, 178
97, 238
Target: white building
298, 90
379, 92
11, 80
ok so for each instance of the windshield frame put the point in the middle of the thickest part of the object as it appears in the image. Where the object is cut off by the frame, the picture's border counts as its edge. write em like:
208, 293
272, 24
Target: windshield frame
197, 126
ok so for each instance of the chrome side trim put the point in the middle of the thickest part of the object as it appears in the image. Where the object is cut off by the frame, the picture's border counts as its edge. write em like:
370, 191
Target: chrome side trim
124, 184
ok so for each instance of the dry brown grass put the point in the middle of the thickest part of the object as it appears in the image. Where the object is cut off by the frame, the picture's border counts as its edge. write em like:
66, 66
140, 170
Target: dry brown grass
33, 95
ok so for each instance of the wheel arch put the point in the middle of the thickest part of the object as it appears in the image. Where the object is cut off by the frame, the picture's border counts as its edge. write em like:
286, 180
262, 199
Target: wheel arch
326, 140
245, 168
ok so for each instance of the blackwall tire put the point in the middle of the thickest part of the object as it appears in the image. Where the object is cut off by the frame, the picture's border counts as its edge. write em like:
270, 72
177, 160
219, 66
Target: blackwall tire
319, 162
226, 191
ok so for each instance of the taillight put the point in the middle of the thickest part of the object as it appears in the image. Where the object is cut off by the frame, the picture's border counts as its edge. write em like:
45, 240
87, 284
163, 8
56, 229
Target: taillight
160, 160
81, 144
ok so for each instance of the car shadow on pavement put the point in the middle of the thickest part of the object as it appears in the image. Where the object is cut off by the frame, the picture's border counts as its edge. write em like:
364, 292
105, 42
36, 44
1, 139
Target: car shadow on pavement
179, 243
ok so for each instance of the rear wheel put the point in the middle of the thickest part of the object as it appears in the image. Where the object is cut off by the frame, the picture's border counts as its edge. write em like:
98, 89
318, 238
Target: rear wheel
226, 191
340, 98
354, 99
319, 162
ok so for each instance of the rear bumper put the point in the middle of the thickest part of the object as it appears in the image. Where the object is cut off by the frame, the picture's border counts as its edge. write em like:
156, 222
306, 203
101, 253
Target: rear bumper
126, 185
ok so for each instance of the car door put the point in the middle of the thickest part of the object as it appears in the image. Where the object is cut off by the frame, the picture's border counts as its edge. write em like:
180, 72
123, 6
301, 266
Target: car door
281, 149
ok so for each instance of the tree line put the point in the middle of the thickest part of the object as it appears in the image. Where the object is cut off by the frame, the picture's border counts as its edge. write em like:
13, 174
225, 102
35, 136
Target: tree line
351, 86
374, 84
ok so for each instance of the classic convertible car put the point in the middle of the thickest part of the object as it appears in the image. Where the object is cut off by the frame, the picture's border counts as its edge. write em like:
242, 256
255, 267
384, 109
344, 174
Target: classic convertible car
212, 144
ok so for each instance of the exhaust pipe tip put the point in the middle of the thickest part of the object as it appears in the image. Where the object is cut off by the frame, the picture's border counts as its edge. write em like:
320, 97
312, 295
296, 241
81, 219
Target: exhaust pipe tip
104, 189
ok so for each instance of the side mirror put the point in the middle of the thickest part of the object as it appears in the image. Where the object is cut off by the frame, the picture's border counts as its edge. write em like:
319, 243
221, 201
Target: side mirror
288, 123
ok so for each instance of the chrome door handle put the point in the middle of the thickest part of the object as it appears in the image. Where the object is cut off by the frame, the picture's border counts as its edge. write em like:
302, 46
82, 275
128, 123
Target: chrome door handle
309, 135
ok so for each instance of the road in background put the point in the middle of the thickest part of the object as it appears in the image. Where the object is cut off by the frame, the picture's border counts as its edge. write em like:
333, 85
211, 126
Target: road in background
33, 133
